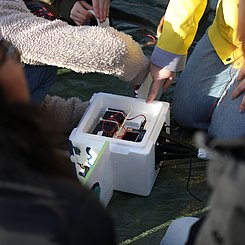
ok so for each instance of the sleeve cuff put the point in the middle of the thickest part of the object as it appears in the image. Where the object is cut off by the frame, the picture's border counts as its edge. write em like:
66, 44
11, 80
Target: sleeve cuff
167, 60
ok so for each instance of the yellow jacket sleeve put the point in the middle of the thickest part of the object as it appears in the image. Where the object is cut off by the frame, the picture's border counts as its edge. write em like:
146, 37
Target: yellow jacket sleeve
180, 25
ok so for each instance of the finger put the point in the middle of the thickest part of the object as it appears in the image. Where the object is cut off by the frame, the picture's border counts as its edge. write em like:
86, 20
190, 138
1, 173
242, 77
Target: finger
241, 74
81, 16
78, 15
159, 27
107, 9
77, 23
101, 12
96, 8
167, 84
104, 11
154, 90
86, 5
238, 90
79, 19
162, 21
103, 15
242, 105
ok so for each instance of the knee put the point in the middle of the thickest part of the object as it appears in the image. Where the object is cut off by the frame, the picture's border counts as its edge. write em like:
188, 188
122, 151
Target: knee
190, 115
227, 129
182, 114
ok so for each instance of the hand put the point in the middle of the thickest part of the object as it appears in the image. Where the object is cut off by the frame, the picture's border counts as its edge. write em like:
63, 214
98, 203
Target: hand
240, 88
159, 27
101, 9
14, 83
161, 78
80, 14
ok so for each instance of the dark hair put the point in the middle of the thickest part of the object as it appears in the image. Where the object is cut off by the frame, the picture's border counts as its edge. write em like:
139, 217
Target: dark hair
26, 143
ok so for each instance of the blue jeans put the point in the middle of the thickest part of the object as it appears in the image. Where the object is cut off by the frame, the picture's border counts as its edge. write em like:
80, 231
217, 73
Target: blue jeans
202, 97
40, 80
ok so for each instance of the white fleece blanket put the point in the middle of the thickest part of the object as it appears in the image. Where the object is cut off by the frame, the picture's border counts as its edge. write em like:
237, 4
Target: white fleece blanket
82, 49
67, 112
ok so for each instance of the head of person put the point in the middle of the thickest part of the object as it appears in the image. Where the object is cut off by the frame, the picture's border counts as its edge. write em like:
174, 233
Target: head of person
12, 78
26, 132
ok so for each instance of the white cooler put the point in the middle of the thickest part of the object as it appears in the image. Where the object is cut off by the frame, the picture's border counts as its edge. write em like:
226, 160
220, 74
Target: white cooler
115, 163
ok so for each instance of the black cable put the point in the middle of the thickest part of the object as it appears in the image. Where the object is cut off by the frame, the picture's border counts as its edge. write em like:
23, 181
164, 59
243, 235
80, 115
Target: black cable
174, 148
188, 182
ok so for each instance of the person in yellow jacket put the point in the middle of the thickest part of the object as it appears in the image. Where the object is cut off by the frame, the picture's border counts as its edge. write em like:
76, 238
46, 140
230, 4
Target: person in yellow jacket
206, 94
217, 227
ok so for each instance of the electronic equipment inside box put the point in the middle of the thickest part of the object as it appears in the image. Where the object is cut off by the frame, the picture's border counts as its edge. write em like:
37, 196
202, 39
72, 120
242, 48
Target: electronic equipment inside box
113, 146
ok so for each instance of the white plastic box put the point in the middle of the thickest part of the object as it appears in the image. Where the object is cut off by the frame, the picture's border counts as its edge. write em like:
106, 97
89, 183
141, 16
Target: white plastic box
127, 166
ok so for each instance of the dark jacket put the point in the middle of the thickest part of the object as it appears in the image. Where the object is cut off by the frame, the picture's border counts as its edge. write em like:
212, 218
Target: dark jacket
52, 211
41, 201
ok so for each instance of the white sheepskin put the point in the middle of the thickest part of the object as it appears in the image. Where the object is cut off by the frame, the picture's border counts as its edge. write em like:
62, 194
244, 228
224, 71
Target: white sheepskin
82, 49
68, 112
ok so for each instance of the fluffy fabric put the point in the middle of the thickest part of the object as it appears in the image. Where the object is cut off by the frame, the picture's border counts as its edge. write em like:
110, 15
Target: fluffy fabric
67, 112
82, 49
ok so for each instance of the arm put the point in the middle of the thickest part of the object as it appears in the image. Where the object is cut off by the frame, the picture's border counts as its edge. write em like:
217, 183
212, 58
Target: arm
180, 25
82, 49
179, 29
